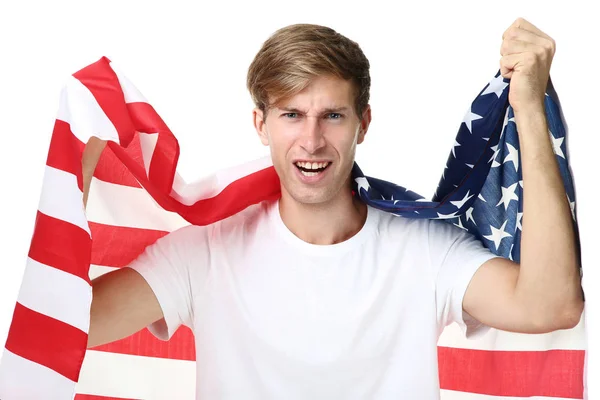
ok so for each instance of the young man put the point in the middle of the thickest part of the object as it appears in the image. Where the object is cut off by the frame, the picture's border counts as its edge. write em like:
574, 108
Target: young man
318, 296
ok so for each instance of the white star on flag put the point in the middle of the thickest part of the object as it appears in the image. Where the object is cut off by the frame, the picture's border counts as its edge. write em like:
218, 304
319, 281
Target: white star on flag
469, 215
508, 194
519, 218
572, 206
460, 203
496, 85
460, 225
469, 118
362, 183
444, 171
504, 123
496, 151
446, 216
454, 147
556, 143
512, 156
497, 234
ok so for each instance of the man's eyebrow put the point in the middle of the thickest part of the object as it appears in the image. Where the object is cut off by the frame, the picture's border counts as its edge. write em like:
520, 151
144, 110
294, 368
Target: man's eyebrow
323, 111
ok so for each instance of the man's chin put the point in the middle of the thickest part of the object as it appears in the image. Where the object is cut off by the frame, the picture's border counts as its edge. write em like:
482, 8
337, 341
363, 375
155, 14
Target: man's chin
309, 199
312, 196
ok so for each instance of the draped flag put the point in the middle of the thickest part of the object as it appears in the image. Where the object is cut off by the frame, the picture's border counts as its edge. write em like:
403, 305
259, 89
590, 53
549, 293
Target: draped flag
137, 197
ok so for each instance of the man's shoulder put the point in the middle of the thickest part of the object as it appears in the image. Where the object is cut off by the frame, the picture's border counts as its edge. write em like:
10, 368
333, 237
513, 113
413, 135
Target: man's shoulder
392, 223
419, 229
399, 235
447, 228
249, 218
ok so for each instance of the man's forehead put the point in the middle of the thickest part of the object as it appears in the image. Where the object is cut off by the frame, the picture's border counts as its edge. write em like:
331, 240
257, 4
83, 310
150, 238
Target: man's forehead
321, 94
329, 107
301, 103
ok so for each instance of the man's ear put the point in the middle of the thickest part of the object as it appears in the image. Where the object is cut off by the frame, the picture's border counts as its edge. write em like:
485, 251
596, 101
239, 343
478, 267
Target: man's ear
364, 124
260, 125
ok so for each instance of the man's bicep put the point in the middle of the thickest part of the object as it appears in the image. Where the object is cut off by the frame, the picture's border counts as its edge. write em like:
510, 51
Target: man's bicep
490, 297
122, 304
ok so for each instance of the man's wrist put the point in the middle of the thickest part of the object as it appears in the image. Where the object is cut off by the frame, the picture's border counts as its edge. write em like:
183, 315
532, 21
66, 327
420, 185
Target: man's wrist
530, 113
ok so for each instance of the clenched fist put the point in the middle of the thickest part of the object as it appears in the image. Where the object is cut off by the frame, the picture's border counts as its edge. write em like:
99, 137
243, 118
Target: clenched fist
527, 54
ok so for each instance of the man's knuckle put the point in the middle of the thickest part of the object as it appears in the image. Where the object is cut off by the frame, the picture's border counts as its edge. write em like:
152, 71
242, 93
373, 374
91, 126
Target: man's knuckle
512, 33
551, 46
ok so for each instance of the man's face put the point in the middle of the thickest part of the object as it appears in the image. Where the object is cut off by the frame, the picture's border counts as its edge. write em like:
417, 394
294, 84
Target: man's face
317, 130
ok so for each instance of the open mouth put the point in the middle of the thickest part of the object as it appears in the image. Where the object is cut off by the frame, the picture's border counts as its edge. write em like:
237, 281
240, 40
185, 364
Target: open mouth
312, 169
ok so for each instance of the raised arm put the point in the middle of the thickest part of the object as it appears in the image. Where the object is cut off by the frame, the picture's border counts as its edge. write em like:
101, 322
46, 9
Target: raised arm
122, 301
544, 292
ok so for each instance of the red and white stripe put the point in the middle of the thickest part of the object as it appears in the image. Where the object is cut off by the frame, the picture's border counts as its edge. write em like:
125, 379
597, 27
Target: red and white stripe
137, 197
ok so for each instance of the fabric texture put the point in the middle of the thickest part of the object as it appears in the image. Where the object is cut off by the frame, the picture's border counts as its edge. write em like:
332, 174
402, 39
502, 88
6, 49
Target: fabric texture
137, 197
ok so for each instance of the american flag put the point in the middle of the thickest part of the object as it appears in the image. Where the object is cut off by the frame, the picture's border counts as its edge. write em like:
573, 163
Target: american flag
137, 197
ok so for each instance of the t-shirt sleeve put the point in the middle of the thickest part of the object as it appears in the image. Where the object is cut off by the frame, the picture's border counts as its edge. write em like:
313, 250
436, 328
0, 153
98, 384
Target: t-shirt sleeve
455, 256
175, 266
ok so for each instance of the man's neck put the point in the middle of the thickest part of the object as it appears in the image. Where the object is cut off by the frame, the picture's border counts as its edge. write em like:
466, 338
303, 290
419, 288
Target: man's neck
324, 223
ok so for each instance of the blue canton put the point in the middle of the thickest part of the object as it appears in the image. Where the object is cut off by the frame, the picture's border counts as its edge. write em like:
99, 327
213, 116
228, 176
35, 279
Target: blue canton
481, 189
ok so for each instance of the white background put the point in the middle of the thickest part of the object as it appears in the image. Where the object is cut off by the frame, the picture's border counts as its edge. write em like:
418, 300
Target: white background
428, 62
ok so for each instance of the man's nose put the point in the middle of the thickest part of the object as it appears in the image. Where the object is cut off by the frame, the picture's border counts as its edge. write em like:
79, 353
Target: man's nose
312, 136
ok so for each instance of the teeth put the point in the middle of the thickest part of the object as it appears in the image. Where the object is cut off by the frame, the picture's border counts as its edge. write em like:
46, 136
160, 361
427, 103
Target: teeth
309, 173
314, 165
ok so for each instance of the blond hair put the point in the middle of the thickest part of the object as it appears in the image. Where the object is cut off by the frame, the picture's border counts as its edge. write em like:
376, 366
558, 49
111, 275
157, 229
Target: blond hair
293, 55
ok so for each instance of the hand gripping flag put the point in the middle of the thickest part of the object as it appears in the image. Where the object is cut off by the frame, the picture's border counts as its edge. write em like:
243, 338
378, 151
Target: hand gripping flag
137, 197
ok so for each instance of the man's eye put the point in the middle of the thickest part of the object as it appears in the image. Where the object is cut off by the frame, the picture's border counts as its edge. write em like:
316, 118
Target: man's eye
334, 115
290, 115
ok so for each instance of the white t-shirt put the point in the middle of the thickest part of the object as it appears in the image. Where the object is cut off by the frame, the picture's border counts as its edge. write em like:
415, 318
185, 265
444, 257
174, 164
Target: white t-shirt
275, 317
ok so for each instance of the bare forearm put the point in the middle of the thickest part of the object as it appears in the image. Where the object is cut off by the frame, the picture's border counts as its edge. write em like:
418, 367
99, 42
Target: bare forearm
91, 155
549, 280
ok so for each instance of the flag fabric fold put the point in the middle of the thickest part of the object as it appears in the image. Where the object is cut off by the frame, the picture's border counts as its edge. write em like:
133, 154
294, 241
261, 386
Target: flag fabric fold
137, 196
